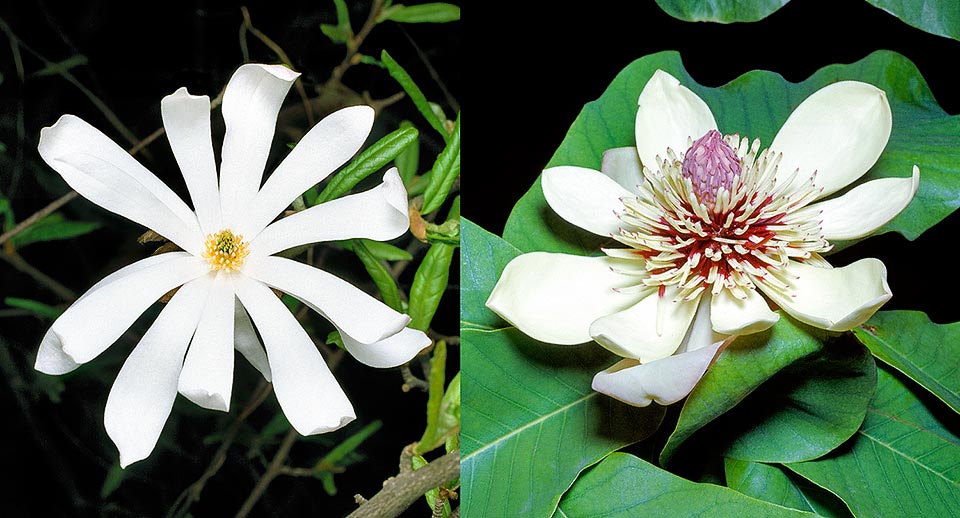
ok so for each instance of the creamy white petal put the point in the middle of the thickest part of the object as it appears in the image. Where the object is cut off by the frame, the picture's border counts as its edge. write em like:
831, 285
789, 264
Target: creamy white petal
207, 376
649, 330
391, 351
584, 197
622, 164
665, 381
309, 395
349, 308
105, 174
251, 103
835, 299
324, 148
865, 208
96, 320
701, 333
669, 116
733, 316
555, 297
838, 132
186, 120
142, 395
379, 214
246, 341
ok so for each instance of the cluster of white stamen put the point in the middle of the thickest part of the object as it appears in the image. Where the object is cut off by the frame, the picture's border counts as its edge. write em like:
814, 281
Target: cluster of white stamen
718, 217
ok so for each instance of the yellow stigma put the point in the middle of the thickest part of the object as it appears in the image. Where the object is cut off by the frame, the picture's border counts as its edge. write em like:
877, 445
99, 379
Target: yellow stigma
225, 251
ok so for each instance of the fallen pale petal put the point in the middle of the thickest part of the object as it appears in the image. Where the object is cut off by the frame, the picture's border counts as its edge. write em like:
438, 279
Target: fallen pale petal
555, 297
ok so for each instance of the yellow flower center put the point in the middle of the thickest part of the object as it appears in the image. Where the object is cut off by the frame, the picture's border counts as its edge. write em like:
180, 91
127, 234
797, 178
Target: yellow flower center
225, 251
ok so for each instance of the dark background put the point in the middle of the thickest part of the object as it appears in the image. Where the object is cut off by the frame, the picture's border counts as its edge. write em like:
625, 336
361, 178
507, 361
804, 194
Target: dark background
56, 455
540, 67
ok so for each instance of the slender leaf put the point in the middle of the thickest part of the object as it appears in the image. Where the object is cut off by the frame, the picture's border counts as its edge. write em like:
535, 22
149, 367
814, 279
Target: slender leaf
411, 88
903, 461
337, 454
53, 228
380, 250
112, 481
38, 308
928, 353
342, 32
776, 485
756, 105
626, 486
429, 285
446, 169
380, 275
367, 163
408, 160
61, 67
438, 368
721, 11
434, 12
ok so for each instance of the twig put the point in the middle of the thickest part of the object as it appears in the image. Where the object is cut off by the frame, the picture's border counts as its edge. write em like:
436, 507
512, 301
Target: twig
17, 262
272, 45
433, 73
410, 381
273, 470
355, 42
400, 492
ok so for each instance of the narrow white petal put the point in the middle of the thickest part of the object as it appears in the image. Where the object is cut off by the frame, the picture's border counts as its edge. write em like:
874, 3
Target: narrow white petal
251, 103
665, 381
865, 208
391, 351
379, 214
324, 148
838, 132
669, 116
349, 308
105, 174
835, 299
100, 316
649, 330
247, 342
207, 377
309, 395
584, 197
733, 316
555, 297
622, 164
186, 119
142, 395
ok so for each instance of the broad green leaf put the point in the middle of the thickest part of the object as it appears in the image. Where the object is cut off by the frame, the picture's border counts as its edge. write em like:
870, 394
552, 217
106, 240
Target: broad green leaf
419, 100
52, 228
381, 277
928, 353
445, 171
367, 163
756, 105
811, 397
626, 486
720, 11
429, 285
531, 422
940, 17
408, 160
438, 368
434, 12
902, 462
482, 259
773, 484
33, 306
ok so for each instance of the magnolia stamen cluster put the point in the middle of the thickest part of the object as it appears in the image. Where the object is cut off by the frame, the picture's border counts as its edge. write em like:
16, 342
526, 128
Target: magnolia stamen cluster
717, 217
225, 251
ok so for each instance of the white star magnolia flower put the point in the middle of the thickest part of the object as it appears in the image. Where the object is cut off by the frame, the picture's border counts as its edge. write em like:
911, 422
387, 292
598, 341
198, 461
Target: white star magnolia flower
227, 245
710, 223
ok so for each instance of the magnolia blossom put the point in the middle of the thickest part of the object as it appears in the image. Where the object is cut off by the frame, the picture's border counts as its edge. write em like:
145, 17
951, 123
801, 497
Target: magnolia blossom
227, 266
716, 232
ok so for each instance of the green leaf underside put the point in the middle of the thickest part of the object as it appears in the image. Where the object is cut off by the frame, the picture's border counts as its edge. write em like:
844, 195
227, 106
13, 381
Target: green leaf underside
928, 353
940, 17
755, 105
902, 462
531, 422
626, 486
811, 399
776, 485
720, 11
